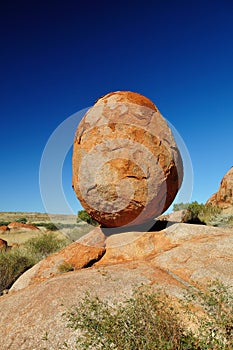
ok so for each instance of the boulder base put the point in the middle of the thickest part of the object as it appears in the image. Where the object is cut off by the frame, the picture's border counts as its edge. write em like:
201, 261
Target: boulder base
180, 257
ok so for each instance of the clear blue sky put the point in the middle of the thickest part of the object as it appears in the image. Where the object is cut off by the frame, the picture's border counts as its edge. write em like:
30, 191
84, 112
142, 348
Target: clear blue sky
59, 57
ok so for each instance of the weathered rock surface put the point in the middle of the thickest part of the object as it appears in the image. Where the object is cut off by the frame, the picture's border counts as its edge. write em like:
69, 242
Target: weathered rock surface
19, 225
190, 252
75, 256
95, 238
4, 228
172, 259
224, 197
127, 168
175, 216
36, 313
3, 244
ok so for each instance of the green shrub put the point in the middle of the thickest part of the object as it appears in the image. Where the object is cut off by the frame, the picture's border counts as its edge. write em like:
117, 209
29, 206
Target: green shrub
44, 245
198, 213
145, 321
75, 233
48, 225
65, 267
84, 216
209, 213
21, 220
194, 213
12, 264
150, 320
4, 223
224, 220
229, 221
16, 261
180, 206
216, 326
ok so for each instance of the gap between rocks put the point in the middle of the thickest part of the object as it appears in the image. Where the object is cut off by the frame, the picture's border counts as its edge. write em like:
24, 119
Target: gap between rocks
93, 261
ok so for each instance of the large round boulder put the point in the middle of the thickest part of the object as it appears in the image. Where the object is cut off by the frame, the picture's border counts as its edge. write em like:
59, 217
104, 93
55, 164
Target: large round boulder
127, 168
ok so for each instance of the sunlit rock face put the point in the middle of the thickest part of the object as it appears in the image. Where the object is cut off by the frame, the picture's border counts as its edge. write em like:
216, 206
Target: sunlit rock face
127, 167
224, 197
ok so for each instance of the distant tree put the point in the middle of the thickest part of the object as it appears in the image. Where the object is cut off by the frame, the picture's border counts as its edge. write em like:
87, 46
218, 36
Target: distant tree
180, 206
84, 216
48, 225
22, 220
4, 223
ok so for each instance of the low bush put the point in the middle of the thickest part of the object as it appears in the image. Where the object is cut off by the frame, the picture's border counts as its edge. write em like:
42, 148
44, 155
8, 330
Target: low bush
12, 264
44, 245
48, 225
145, 321
17, 260
21, 220
194, 213
229, 221
150, 320
198, 213
75, 233
215, 328
65, 267
224, 220
4, 223
180, 206
84, 216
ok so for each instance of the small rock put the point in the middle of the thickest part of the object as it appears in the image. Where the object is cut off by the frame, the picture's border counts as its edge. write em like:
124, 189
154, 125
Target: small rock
3, 244
4, 228
176, 216
19, 225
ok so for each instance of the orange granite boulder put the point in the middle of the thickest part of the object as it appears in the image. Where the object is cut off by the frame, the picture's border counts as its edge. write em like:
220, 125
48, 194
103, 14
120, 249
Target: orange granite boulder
127, 168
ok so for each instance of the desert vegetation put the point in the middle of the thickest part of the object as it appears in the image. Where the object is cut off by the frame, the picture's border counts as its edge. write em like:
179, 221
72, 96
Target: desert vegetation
18, 259
70, 226
152, 320
84, 216
199, 213
26, 248
148, 320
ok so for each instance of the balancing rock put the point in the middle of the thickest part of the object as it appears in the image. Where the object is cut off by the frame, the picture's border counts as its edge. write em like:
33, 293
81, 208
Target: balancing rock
127, 168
